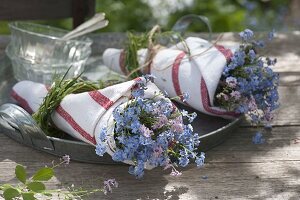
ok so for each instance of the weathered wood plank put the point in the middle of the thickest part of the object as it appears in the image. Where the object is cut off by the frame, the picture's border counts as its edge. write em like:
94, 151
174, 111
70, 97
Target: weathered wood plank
235, 169
224, 180
288, 113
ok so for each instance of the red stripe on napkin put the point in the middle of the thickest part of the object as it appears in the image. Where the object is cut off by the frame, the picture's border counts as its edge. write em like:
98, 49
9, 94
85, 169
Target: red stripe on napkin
122, 62
24, 104
206, 102
101, 99
226, 52
69, 119
137, 79
175, 74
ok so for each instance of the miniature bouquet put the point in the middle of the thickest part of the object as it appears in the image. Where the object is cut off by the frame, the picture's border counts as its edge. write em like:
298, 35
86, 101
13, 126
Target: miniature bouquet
131, 121
221, 81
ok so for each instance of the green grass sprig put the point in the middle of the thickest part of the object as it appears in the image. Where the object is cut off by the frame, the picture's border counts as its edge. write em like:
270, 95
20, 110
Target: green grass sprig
146, 40
59, 89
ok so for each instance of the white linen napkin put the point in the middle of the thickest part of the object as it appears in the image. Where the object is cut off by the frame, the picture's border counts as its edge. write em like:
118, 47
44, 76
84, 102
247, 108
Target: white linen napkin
193, 66
83, 115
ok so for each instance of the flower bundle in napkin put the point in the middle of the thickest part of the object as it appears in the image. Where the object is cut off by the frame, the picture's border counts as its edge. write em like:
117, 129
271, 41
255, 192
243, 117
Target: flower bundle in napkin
81, 115
194, 66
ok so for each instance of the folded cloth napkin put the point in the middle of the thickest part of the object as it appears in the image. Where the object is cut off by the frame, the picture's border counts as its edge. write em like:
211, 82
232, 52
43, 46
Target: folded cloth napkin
193, 66
83, 115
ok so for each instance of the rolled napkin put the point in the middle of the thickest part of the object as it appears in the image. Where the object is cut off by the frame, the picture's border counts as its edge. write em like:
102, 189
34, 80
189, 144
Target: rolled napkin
193, 66
83, 115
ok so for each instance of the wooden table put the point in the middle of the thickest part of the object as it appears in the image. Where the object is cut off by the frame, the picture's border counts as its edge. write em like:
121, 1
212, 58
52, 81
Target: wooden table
236, 169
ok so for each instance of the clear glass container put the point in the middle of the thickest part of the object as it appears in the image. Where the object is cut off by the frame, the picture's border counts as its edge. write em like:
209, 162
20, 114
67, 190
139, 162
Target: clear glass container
37, 52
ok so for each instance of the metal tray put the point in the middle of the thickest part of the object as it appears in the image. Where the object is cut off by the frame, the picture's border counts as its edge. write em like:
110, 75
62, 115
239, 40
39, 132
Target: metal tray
213, 130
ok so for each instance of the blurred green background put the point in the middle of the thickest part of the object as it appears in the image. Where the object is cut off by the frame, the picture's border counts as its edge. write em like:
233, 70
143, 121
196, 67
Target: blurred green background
224, 15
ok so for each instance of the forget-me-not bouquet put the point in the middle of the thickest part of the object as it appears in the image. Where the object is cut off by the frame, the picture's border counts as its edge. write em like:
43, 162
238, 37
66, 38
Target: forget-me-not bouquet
248, 84
151, 132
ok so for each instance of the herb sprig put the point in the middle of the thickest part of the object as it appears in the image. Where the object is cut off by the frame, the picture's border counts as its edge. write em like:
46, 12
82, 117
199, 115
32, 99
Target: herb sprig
59, 89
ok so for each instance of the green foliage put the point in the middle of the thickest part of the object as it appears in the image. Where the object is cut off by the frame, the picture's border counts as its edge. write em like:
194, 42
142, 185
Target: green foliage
61, 88
28, 196
10, 193
28, 188
21, 173
36, 186
135, 42
124, 15
43, 174
138, 41
224, 15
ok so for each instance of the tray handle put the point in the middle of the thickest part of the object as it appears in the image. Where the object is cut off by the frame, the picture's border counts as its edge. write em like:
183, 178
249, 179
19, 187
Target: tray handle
17, 118
185, 21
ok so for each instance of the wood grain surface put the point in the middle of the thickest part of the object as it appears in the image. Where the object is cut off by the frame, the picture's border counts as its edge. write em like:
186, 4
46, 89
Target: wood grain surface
236, 169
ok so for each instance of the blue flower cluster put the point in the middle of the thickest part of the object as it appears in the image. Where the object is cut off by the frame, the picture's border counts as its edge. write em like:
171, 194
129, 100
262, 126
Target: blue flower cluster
248, 84
152, 131
258, 138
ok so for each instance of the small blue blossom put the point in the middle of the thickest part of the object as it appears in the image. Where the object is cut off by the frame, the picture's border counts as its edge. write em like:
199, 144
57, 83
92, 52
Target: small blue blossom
231, 81
196, 139
183, 161
137, 170
252, 55
238, 59
138, 92
259, 43
102, 135
185, 96
246, 35
135, 126
100, 149
200, 160
118, 156
258, 138
260, 63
